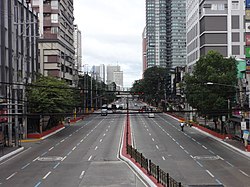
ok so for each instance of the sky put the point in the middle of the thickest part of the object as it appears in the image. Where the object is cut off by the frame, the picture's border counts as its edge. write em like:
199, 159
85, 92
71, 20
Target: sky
112, 34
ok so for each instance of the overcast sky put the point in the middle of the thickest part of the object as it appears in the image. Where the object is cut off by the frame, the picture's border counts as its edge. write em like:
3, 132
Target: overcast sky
112, 34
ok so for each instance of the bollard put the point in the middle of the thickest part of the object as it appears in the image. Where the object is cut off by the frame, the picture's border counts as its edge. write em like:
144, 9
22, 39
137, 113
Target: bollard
149, 163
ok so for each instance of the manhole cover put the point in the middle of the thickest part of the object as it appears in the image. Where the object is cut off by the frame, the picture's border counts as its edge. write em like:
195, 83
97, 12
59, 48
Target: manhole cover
206, 157
50, 158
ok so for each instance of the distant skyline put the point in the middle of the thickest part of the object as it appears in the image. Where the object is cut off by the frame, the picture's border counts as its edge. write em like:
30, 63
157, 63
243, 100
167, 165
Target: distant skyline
112, 34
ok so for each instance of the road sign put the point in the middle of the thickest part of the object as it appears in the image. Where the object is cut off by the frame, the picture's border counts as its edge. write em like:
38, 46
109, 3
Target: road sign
243, 125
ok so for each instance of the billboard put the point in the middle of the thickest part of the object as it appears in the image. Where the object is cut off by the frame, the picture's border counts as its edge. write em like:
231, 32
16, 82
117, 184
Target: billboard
247, 17
247, 38
247, 3
247, 25
247, 52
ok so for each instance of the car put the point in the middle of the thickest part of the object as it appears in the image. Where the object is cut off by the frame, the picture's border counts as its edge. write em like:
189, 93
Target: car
151, 115
104, 112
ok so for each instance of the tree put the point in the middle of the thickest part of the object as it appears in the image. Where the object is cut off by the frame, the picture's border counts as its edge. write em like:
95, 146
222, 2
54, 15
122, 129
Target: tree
50, 96
154, 84
211, 100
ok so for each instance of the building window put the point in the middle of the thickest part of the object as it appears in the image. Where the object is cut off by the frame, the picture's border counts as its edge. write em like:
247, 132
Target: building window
54, 18
217, 7
54, 30
54, 4
235, 5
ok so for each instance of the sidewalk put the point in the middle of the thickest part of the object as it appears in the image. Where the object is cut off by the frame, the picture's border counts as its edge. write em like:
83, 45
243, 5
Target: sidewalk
6, 152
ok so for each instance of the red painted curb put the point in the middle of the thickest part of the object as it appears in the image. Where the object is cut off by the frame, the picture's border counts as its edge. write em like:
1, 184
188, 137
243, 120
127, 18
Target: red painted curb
45, 133
124, 152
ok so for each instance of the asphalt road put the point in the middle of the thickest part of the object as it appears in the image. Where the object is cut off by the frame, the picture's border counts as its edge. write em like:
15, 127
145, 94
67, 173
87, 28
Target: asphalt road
83, 154
190, 157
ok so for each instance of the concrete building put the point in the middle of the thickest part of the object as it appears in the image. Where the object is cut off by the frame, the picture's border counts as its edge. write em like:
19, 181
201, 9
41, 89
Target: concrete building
178, 33
100, 72
56, 43
214, 25
144, 50
78, 49
118, 79
110, 73
165, 33
158, 48
18, 61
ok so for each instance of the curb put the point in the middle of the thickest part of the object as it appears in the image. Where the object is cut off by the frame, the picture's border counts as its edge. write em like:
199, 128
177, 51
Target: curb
11, 153
135, 168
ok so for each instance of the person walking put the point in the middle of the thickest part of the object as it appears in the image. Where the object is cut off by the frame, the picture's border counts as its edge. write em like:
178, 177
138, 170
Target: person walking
182, 126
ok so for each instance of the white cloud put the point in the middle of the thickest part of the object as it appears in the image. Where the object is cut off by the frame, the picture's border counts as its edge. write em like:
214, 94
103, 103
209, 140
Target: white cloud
112, 34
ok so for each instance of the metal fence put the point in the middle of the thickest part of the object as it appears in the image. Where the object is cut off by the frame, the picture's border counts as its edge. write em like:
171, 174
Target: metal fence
152, 169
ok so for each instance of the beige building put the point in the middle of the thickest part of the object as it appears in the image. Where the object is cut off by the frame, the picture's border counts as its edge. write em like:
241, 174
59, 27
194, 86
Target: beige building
56, 43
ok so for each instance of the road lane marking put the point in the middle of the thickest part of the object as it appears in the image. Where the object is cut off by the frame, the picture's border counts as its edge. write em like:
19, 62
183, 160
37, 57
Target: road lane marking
11, 176
82, 173
74, 148
25, 166
96, 147
193, 139
199, 164
44, 153
186, 152
243, 173
177, 143
38, 184
210, 173
218, 181
81, 140
35, 159
47, 175
204, 147
64, 158
149, 134
62, 140
56, 165
211, 151
199, 143
163, 158
104, 134
220, 157
153, 139
100, 140
157, 146
57, 144
173, 139
69, 153
78, 144
51, 148
191, 156
229, 164
181, 147
90, 158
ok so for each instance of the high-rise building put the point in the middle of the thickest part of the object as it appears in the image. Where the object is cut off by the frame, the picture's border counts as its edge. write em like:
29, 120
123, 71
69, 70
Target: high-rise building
214, 25
156, 33
100, 72
165, 33
18, 62
178, 33
144, 50
56, 43
118, 79
110, 73
78, 49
